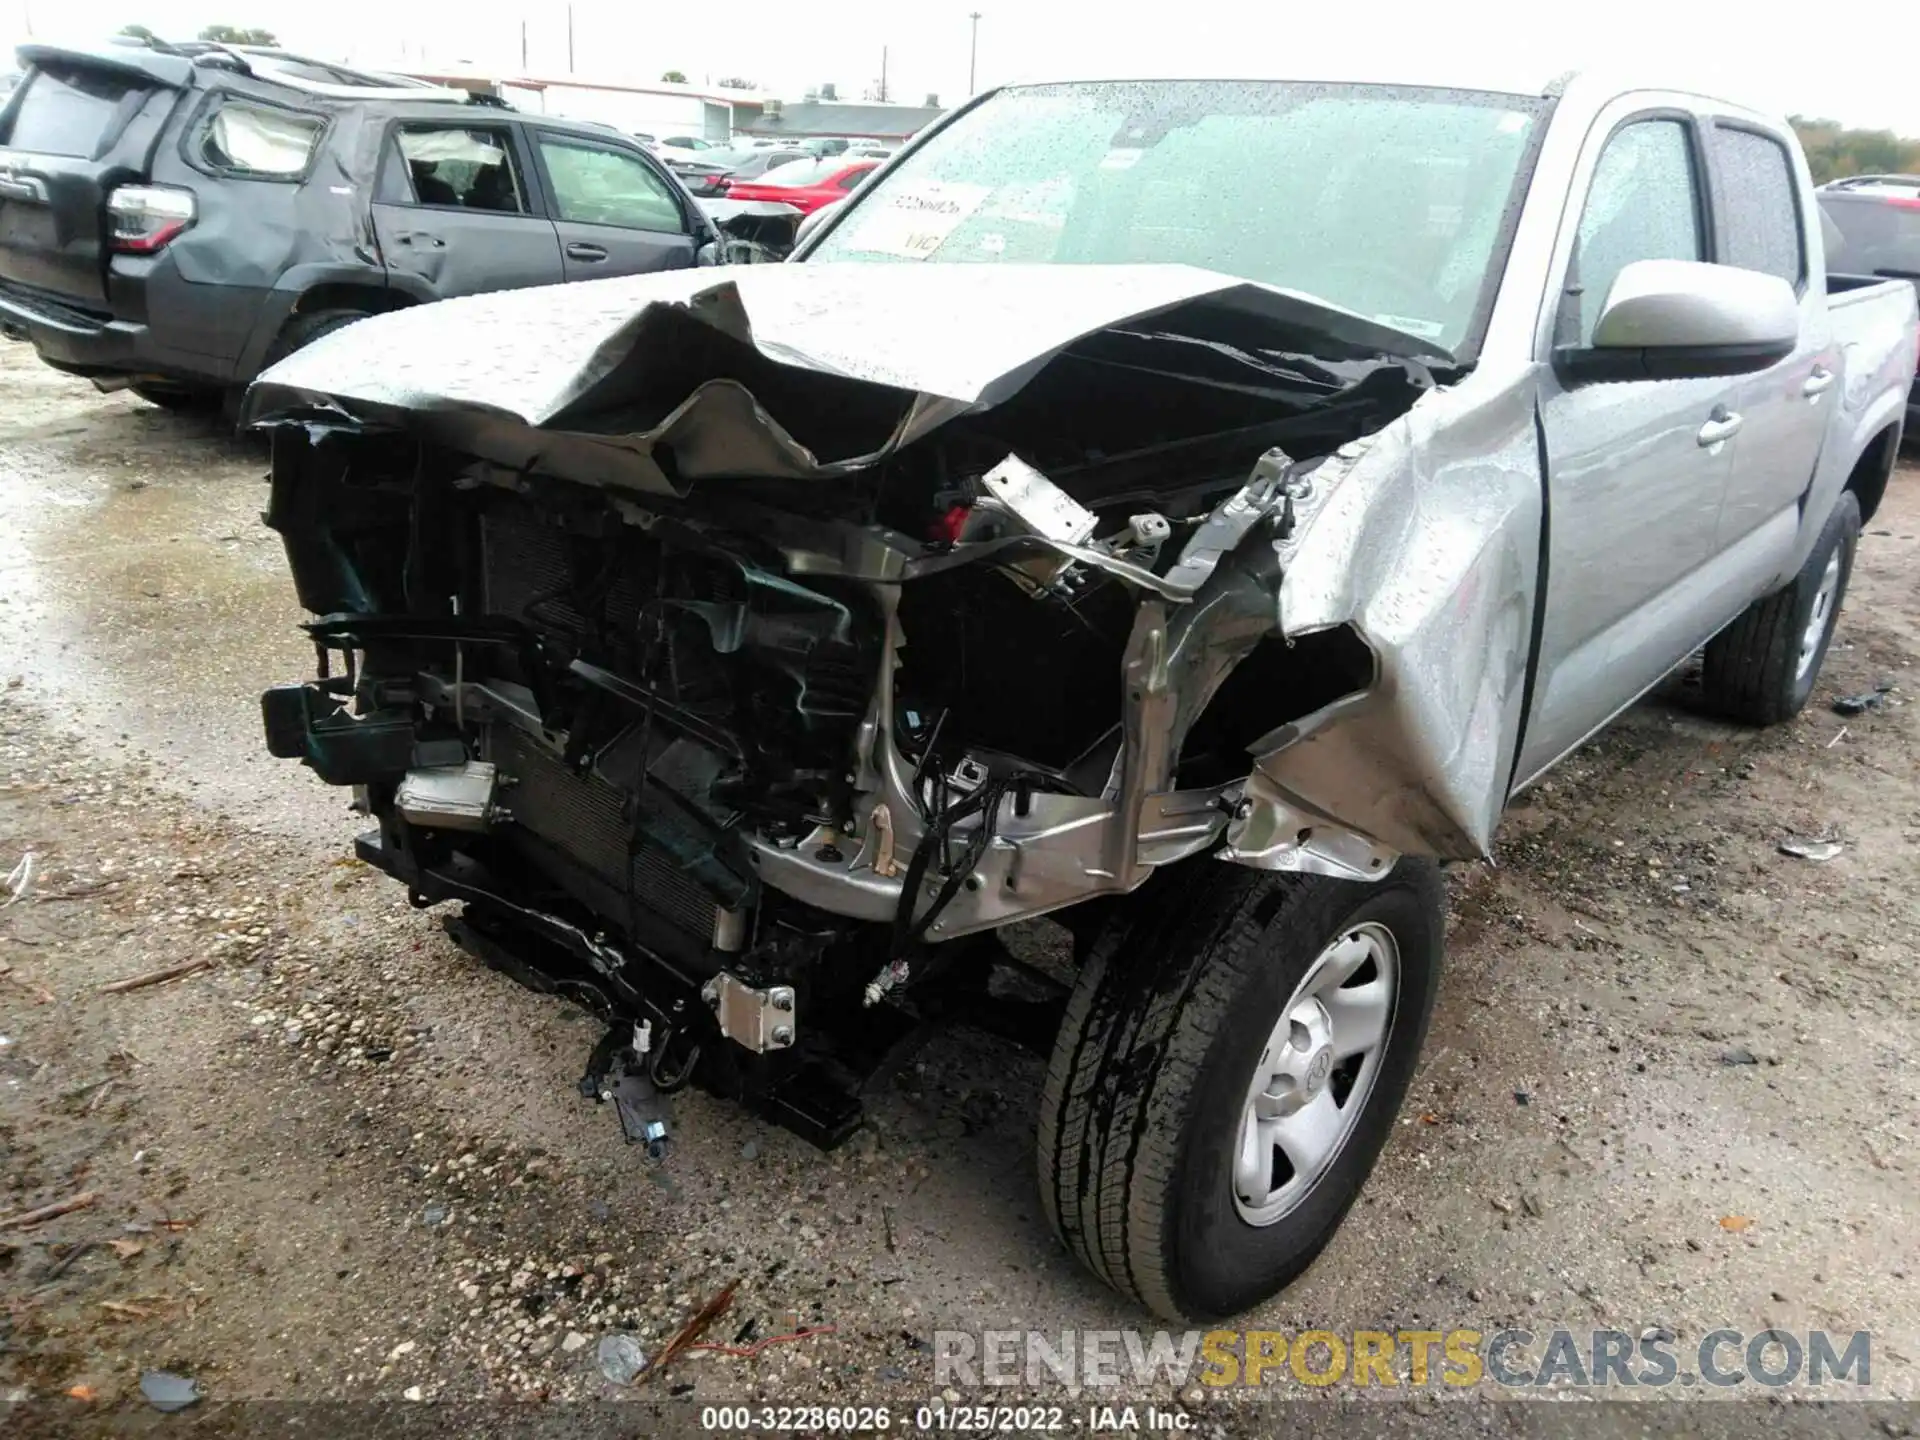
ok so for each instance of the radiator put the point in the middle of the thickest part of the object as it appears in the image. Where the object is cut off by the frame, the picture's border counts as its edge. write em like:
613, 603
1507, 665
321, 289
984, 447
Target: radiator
584, 817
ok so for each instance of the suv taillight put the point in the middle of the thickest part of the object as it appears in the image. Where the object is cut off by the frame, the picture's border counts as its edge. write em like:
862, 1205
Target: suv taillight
146, 217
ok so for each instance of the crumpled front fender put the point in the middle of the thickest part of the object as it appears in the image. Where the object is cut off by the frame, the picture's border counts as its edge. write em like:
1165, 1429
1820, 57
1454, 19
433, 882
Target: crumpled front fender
1427, 542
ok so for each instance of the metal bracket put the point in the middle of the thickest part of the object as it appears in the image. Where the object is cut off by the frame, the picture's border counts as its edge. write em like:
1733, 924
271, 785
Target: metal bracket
451, 797
1039, 504
760, 1020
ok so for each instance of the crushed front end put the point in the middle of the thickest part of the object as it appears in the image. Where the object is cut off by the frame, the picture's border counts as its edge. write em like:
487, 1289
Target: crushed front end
742, 693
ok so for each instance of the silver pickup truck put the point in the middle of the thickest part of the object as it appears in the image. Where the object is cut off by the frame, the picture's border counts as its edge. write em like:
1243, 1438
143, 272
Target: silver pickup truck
1188, 511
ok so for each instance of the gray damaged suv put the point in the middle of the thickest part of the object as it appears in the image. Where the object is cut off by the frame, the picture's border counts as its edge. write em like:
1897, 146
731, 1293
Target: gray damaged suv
176, 219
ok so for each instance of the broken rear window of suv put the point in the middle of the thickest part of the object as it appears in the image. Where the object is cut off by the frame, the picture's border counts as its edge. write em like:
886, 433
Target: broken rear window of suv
73, 110
254, 141
1393, 203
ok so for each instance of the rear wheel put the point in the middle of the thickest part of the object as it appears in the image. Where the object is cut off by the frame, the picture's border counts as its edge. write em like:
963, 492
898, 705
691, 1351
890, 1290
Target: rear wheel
1763, 666
303, 330
1226, 1074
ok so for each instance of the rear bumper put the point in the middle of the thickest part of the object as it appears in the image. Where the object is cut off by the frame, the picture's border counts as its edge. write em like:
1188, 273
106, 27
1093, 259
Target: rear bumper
108, 346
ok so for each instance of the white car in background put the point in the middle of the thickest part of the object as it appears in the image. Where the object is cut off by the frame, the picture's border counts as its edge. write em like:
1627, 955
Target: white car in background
686, 149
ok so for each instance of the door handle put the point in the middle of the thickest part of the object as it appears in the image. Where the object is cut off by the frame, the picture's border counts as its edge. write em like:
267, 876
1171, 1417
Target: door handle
580, 250
420, 237
1818, 383
1721, 426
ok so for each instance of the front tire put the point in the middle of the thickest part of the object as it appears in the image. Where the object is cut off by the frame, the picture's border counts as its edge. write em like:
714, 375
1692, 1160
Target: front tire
1761, 669
1214, 1102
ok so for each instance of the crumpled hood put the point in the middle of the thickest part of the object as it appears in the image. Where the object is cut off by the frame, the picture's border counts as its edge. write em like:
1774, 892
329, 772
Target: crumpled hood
942, 339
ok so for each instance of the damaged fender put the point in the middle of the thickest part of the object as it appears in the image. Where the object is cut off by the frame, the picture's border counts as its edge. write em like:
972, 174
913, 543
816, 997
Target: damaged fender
1428, 546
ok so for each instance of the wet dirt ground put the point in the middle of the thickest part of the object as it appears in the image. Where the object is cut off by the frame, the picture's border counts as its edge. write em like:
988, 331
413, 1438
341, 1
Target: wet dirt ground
1672, 1082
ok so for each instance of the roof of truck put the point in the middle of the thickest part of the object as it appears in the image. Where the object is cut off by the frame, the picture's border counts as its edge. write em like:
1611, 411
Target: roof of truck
1592, 87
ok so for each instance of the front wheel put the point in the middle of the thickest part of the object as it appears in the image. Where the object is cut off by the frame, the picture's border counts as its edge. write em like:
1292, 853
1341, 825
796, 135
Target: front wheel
1227, 1072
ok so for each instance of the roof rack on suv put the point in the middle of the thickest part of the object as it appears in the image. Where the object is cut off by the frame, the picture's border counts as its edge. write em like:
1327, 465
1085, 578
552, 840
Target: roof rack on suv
304, 73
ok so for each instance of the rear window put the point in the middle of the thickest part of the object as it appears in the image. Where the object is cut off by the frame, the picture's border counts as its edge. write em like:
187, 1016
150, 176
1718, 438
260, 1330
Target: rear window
465, 166
1759, 209
73, 110
1878, 234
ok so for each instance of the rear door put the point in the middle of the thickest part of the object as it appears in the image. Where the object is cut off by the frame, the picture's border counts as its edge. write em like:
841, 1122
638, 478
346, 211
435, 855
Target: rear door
1759, 226
616, 211
455, 213
77, 128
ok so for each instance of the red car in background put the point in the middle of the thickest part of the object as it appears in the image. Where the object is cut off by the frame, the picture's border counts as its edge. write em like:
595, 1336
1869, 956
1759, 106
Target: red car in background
806, 186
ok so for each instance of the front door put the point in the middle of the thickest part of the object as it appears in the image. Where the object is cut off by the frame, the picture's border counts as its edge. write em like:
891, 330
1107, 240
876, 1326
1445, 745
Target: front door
615, 210
1637, 469
454, 213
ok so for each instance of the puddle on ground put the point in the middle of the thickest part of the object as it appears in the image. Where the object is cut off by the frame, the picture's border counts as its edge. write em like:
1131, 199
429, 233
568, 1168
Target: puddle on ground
142, 597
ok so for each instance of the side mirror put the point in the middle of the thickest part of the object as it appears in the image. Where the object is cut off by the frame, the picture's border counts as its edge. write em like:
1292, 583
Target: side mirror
1684, 319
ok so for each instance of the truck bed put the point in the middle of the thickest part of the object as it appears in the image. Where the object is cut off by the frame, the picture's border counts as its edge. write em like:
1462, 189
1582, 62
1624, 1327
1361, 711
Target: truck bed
1874, 319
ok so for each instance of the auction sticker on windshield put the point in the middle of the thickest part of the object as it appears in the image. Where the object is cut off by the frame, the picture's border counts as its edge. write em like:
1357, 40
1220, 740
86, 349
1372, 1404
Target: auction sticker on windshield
913, 219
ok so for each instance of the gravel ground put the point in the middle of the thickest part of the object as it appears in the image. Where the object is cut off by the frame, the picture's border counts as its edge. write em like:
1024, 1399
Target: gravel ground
1671, 1082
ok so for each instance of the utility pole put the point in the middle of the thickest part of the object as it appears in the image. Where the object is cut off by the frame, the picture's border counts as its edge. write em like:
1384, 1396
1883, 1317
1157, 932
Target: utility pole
973, 51
569, 39
883, 74
523, 47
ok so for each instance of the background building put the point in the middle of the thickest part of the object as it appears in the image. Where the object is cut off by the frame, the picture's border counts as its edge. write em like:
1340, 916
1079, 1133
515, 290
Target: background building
830, 119
660, 109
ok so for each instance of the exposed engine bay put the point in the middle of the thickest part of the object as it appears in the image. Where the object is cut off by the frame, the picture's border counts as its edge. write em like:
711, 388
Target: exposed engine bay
742, 689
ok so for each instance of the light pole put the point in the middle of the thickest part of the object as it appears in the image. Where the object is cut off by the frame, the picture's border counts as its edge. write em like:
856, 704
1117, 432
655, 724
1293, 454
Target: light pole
973, 50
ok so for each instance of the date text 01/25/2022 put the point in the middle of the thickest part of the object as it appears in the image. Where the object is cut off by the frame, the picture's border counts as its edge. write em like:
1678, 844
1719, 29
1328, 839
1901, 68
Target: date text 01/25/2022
958, 1418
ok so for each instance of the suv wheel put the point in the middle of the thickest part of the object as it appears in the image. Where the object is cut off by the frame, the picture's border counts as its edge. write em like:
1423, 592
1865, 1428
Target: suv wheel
1761, 668
1226, 1074
303, 330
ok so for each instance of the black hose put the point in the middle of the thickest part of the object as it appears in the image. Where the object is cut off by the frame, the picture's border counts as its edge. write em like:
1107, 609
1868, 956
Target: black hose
907, 930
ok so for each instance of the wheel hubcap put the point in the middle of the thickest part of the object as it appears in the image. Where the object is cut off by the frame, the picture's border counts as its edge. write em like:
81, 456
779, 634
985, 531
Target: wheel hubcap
1821, 616
1313, 1078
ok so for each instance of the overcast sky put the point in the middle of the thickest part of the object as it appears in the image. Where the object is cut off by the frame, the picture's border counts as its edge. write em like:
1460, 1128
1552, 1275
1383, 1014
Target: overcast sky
1864, 68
